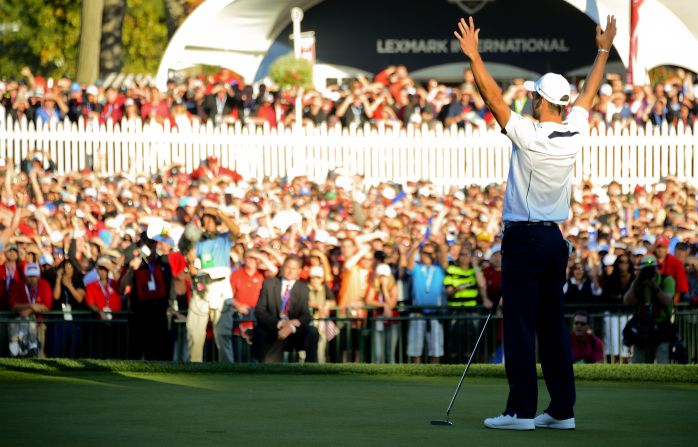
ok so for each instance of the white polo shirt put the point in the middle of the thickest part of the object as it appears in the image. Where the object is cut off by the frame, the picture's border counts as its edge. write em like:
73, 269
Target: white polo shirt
542, 160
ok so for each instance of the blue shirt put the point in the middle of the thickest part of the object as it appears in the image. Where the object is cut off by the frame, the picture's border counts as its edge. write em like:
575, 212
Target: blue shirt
214, 252
427, 285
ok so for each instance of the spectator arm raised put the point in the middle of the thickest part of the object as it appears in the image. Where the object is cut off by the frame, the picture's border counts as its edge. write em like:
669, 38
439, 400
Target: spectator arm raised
342, 109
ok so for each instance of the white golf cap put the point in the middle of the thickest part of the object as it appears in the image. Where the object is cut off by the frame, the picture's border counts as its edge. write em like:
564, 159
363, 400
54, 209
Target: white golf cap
639, 251
317, 272
32, 270
551, 86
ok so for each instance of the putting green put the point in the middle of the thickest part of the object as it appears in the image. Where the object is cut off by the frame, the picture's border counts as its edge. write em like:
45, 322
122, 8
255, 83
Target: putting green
58, 408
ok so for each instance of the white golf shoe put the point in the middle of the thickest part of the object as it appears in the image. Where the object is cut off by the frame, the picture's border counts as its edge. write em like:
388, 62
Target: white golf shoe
544, 420
506, 422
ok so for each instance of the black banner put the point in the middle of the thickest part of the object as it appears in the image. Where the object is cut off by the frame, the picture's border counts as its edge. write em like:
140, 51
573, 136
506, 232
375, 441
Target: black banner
539, 36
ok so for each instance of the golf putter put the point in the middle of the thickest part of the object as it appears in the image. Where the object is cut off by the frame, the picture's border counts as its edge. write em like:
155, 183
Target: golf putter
447, 421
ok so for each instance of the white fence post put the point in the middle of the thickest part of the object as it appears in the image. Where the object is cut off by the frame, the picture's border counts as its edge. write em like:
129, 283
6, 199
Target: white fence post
446, 156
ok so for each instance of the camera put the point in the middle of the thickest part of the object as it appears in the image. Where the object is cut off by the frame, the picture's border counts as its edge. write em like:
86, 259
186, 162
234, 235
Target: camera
648, 273
200, 283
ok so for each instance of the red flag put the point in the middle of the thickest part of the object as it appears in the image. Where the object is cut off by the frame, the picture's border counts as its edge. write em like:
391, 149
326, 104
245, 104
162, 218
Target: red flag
636, 75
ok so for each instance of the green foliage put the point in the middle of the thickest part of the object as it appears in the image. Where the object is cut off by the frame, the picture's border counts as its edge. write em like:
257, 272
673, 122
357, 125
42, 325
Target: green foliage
597, 372
144, 35
45, 36
41, 35
287, 72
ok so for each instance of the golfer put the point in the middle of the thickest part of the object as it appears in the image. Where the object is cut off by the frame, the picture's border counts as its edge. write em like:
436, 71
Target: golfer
534, 252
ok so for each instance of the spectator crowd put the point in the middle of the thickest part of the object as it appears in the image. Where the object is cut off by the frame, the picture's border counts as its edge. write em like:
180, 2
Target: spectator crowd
185, 249
361, 252
391, 98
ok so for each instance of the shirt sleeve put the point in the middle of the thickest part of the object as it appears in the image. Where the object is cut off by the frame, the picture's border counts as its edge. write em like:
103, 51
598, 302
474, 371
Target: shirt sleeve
46, 294
579, 119
520, 130
90, 297
668, 285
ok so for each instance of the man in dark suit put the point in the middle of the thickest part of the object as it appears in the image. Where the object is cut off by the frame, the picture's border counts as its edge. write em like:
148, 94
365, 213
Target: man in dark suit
219, 106
283, 316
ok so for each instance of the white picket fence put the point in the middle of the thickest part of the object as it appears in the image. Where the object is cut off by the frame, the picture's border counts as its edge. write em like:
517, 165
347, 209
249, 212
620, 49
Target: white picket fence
444, 156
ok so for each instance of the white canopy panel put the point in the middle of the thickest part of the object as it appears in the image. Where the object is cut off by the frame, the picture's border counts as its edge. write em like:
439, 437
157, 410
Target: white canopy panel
237, 34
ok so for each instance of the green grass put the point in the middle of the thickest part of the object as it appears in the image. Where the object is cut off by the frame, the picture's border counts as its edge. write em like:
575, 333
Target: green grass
91, 403
605, 372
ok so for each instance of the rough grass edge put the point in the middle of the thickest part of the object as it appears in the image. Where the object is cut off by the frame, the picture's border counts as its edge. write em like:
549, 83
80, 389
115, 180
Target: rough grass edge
603, 372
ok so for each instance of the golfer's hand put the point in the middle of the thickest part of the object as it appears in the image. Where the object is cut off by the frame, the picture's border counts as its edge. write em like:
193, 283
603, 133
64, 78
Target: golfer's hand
468, 37
604, 39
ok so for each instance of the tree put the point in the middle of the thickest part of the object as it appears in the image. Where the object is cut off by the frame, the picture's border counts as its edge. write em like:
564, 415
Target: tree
111, 56
176, 11
145, 35
90, 34
41, 35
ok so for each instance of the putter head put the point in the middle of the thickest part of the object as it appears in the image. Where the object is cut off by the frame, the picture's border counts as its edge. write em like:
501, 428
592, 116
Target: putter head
441, 422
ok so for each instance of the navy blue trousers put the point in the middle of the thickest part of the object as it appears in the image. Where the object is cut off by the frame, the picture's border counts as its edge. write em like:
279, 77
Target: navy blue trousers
534, 262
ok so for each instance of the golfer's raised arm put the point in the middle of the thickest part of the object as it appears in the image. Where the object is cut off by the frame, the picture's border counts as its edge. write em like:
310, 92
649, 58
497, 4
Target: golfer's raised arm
489, 90
604, 40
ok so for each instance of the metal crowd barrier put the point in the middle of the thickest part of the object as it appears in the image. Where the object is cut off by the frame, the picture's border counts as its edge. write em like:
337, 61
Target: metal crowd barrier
356, 339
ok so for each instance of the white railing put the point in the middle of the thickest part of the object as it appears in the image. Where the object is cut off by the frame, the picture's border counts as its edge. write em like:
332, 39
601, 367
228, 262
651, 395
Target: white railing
444, 156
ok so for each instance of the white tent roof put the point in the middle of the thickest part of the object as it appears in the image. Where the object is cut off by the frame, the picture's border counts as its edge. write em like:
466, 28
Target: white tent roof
667, 30
238, 33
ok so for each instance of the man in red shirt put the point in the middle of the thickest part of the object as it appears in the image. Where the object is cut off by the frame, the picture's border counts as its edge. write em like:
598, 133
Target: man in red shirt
213, 170
493, 273
670, 266
32, 297
102, 296
246, 283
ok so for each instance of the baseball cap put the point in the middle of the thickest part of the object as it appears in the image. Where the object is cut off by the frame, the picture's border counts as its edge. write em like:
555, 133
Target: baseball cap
648, 238
551, 86
11, 246
495, 248
662, 242
620, 245
32, 269
639, 251
648, 261
317, 272
92, 90
105, 262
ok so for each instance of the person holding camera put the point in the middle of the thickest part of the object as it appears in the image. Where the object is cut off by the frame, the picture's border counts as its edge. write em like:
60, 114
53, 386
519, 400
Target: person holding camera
649, 331
149, 276
214, 298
